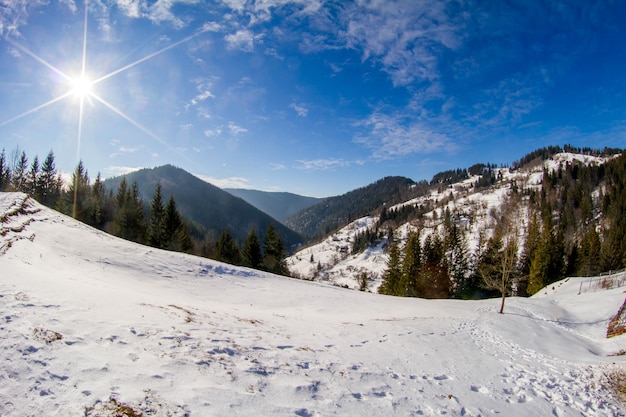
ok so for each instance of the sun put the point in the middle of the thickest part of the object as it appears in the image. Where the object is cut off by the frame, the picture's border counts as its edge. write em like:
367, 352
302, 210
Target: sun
81, 87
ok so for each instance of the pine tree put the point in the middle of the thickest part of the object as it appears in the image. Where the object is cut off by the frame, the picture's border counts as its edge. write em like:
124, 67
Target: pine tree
540, 264
433, 280
457, 258
411, 264
172, 221
393, 274
50, 182
19, 178
226, 249
32, 180
78, 193
588, 262
274, 252
96, 210
251, 251
5, 172
156, 223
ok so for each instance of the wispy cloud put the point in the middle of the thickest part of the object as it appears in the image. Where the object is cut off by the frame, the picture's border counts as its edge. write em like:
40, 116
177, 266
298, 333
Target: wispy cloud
229, 182
236, 129
328, 164
115, 171
300, 109
243, 39
14, 14
209, 133
390, 136
406, 39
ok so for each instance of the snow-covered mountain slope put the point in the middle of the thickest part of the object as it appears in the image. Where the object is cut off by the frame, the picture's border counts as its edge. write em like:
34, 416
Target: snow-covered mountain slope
334, 263
91, 325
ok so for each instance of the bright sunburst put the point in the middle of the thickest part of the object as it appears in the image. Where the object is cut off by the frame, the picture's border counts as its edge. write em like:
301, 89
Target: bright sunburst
81, 87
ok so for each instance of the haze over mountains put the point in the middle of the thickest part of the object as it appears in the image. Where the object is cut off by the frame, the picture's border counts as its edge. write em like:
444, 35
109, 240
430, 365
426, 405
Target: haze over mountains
279, 205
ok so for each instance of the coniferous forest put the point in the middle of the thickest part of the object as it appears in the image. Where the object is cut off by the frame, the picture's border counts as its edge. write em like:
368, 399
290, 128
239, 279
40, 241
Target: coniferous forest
125, 214
575, 227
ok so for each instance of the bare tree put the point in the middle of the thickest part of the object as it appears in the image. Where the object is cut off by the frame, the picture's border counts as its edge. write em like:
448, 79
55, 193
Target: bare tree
499, 261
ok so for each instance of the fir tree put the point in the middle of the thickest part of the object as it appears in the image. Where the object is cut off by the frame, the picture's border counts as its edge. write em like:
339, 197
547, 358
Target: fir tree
393, 274
251, 251
32, 180
49, 182
274, 252
411, 264
5, 172
156, 223
171, 222
19, 173
78, 193
226, 249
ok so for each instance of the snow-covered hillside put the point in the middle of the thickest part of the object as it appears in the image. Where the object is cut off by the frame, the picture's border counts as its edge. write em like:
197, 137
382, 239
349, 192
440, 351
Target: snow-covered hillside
91, 325
331, 261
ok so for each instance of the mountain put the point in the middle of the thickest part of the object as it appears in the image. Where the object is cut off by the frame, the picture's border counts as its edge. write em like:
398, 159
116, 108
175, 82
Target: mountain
207, 207
584, 233
93, 325
321, 219
279, 205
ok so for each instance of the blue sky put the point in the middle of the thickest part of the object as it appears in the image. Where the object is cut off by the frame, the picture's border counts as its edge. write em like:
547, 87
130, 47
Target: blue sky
308, 96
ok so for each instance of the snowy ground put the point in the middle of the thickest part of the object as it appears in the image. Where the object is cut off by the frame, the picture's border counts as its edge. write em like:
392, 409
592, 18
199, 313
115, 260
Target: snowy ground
92, 325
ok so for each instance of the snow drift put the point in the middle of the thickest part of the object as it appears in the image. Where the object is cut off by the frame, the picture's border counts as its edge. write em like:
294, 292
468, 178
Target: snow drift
92, 325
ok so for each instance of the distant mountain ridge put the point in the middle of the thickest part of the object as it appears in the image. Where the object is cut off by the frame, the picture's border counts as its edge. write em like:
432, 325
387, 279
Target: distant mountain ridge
207, 207
279, 205
333, 212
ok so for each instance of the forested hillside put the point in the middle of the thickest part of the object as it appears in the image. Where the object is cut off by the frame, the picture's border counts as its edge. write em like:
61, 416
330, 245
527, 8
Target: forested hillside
321, 219
486, 231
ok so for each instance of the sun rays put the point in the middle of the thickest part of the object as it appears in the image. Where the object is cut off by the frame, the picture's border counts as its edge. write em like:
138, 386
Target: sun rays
82, 88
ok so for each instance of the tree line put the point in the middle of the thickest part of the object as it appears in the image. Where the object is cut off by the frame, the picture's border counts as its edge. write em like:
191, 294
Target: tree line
125, 214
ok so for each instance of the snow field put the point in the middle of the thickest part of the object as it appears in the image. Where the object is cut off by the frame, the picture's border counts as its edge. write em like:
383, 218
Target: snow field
90, 322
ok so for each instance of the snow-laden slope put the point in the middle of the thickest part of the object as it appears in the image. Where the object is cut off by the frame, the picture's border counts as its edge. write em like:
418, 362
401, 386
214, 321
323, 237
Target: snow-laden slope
91, 325
332, 259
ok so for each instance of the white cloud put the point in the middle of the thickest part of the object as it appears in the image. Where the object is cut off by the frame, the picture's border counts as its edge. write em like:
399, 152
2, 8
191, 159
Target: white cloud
212, 132
277, 167
235, 129
243, 39
392, 136
230, 182
130, 8
328, 164
299, 109
116, 171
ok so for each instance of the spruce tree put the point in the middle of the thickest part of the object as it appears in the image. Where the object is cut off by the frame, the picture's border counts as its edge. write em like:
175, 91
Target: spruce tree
226, 249
274, 252
411, 265
156, 223
393, 274
78, 193
50, 182
5, 172
172, 221
251, 251
32, 180
19, 173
